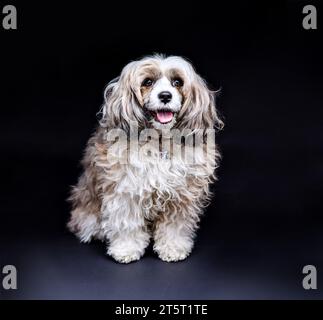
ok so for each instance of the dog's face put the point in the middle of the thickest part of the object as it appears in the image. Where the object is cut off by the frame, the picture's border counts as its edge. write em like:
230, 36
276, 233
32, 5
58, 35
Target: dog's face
161, 93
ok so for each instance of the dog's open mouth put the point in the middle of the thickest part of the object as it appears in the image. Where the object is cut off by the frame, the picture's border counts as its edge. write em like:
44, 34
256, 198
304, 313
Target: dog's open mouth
163, 116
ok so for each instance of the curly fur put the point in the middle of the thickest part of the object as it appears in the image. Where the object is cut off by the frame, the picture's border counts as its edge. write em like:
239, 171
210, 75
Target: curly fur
125, 203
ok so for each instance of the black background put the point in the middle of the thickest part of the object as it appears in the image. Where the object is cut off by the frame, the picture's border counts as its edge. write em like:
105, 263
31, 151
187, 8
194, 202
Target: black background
265, 222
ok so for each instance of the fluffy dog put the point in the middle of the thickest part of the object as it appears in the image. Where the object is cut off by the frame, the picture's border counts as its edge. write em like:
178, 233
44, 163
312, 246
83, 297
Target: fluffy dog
127, 195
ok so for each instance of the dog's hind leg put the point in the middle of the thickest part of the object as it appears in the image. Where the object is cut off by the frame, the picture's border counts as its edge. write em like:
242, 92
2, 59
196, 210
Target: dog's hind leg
84, 221
84, 225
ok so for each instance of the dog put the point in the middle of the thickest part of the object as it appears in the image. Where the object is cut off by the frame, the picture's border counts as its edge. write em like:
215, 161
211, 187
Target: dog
157, 195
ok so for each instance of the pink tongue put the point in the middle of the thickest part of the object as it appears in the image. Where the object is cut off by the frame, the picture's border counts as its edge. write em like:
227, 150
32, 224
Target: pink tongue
164, 116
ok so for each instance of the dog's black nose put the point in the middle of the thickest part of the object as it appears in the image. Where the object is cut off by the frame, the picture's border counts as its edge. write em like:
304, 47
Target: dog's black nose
165, 96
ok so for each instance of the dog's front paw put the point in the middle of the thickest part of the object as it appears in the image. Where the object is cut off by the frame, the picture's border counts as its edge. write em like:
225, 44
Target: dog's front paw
172, 252
125, 258
123, 254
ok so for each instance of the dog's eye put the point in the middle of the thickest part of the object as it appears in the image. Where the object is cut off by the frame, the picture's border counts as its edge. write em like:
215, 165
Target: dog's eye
147, 82
177, 82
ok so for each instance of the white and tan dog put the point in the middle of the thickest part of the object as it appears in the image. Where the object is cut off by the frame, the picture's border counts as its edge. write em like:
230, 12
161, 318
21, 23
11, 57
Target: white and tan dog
125, 199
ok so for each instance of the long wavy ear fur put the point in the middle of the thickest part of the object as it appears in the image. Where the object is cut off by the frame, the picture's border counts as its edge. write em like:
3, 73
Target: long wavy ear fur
199, 110
120, 101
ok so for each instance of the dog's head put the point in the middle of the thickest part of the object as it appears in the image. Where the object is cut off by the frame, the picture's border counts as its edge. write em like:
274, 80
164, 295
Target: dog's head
159, 92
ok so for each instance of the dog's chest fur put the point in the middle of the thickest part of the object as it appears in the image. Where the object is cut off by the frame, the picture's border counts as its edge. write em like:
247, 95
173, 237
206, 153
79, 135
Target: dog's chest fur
156, 177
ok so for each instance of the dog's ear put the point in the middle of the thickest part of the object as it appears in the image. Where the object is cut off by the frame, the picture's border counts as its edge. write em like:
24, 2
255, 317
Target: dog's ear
120, 101
199, 109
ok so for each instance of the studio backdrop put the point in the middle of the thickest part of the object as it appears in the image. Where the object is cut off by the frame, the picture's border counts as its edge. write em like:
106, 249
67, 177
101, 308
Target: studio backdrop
264, 223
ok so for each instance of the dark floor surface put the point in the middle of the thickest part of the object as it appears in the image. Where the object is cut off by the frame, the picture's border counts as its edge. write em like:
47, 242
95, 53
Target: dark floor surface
269, 267
265, 221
